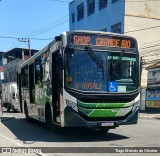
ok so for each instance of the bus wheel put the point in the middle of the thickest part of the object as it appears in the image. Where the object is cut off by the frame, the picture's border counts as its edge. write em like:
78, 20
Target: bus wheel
26, 112
48, 120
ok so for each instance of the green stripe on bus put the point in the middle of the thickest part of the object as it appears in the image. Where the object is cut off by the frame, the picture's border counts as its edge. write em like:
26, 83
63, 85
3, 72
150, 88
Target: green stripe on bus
101, 105
99, 112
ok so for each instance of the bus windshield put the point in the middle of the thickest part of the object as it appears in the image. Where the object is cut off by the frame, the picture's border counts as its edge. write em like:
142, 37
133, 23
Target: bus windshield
102, 71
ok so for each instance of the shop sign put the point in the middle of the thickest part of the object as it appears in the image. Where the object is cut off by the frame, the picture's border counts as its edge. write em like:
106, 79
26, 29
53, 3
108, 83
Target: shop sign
153, 95
153, 78
153, 104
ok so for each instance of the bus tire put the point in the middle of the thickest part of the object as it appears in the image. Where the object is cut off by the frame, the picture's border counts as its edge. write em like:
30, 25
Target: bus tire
48, 120
48, 117
26, 112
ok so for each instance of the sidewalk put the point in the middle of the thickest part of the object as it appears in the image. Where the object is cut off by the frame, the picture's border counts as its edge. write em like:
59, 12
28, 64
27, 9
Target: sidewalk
149, 115
6, 116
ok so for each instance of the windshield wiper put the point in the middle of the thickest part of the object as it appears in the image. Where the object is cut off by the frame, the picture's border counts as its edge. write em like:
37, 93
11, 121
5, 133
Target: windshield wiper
117, 61
95, 58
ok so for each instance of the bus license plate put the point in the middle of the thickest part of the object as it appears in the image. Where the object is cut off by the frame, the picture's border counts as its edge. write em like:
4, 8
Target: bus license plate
107, 123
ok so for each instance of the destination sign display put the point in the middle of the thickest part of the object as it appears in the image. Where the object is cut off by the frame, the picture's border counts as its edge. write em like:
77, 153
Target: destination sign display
102, 40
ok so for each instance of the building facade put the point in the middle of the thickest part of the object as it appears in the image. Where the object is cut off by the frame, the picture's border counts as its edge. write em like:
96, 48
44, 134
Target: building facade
11, 60
105, 15
139, 19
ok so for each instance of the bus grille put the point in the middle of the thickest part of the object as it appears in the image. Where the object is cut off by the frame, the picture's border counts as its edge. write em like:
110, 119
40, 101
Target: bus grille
105, 118
106, 100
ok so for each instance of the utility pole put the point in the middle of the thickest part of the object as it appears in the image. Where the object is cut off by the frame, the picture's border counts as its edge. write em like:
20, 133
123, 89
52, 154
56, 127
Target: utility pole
28, 43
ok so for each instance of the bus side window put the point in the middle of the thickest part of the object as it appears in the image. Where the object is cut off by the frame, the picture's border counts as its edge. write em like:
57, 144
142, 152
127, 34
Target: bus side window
46, 67
25, 76
47, 71
38, 71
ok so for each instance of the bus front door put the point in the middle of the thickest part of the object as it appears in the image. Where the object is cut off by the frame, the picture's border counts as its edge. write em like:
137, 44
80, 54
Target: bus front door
31, 83
20, 91
56, 84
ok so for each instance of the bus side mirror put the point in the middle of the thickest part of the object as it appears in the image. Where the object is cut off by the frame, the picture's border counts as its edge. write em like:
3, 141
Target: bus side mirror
58, 38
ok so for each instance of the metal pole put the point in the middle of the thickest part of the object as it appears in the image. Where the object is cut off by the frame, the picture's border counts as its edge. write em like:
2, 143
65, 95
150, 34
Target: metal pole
29, 48
28, 41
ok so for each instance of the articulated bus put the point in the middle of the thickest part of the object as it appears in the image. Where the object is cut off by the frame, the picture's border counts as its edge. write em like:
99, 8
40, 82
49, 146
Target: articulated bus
82, 79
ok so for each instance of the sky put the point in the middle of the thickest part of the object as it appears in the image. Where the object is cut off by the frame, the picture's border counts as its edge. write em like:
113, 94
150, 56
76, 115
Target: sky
39, 20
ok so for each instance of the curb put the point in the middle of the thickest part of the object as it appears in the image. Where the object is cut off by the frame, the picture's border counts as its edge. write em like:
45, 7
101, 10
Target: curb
146, 116
2, 119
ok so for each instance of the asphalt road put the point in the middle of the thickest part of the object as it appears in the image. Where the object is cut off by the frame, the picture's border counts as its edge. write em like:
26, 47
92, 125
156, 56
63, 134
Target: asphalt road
15, 131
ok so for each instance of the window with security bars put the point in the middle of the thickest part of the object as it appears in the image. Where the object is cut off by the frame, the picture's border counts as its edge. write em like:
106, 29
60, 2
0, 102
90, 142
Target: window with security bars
90, 7
80, 12
102, 4
73, 17
114, 1
116, 28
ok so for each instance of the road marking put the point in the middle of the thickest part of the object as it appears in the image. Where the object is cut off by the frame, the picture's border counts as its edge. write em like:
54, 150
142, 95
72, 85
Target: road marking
11, 140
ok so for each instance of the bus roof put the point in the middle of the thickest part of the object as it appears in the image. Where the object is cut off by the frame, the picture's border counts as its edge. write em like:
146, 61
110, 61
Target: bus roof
98, 32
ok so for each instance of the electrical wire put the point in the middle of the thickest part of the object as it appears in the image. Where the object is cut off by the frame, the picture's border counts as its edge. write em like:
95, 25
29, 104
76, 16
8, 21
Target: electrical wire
64, 19
48, 26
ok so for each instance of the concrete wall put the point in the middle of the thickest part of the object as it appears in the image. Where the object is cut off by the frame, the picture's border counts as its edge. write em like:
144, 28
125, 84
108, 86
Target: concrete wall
101, 19
143, 8
142, 21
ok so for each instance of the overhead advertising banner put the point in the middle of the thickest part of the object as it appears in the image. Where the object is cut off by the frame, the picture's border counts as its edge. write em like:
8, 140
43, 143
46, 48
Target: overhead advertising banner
153, 78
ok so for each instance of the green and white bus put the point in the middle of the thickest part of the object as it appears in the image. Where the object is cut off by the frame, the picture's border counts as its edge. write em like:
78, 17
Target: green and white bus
82, 79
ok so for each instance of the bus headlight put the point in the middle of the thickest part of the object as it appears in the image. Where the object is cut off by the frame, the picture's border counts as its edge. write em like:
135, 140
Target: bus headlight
135, 105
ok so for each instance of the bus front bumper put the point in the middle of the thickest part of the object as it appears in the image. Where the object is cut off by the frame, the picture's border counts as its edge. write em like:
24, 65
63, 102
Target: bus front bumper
73, 119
